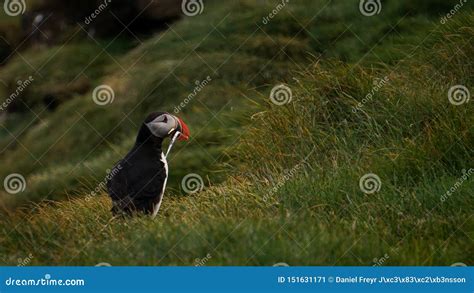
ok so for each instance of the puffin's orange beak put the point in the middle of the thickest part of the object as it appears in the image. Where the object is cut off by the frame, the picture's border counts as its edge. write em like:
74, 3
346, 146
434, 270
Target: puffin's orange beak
184, 130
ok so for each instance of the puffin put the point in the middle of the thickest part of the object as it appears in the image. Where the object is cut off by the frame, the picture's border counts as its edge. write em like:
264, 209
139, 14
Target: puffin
138, 181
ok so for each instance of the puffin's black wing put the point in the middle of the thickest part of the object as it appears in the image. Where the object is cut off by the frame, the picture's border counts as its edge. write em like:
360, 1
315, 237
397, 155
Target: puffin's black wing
146, 189
138, 186
117, 187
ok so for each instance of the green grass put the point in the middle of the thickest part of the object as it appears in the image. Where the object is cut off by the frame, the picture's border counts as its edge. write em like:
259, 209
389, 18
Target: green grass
282, 182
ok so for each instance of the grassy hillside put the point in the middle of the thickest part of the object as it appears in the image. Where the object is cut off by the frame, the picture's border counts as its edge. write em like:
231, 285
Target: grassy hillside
282, 181
162, 71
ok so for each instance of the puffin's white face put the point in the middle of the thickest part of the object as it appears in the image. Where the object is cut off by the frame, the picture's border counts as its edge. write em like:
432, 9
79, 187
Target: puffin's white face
163, 125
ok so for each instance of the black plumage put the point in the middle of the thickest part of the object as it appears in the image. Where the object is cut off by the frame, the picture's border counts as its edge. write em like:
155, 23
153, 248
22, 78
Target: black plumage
139, 179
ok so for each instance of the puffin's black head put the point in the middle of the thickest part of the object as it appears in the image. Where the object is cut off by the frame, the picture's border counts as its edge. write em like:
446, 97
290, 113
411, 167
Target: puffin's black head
159, 125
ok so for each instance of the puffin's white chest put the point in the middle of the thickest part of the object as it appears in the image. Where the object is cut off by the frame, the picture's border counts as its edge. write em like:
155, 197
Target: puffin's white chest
157, 206
165, 162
